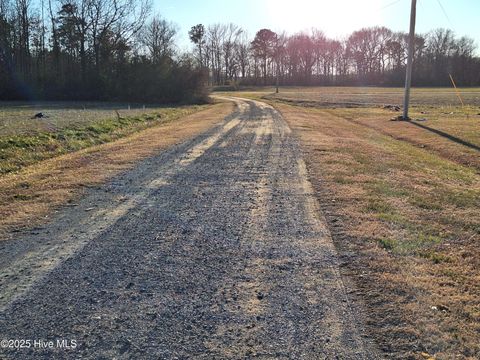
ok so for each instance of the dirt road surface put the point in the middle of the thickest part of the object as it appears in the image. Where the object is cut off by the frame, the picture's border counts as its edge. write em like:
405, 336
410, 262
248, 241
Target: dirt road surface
214, 249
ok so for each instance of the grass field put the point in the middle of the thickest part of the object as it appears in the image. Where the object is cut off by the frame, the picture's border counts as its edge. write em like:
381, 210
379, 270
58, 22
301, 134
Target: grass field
16, 117
403, 201
69, 127
370, 96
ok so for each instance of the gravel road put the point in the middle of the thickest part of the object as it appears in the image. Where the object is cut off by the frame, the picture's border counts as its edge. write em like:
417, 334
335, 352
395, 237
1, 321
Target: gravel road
214, 249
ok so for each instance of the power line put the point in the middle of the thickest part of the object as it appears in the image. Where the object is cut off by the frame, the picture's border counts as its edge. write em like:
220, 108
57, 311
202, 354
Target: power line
390, 4
444, 12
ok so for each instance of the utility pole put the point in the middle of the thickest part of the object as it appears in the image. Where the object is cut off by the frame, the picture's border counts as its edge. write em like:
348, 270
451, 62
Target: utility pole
276, 80
277, 61
411, 49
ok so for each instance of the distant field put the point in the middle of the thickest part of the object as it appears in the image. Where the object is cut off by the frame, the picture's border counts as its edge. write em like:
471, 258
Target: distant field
364, 96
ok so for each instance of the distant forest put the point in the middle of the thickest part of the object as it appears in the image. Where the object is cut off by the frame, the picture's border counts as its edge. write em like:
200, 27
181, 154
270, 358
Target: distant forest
370, 56
117, 50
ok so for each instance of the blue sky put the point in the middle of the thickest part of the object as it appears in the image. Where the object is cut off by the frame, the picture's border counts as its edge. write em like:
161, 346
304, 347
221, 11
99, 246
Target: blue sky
337, 18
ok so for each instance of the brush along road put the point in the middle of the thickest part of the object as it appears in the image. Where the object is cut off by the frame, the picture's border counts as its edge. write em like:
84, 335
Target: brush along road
214, 249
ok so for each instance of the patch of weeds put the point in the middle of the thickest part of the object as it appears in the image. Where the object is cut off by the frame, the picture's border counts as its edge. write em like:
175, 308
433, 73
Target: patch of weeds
435, 257
420, 240
342, 180
379, 167
462, 198
424, 239
387, 189
103, 127
377, 205
362, 159
6, 167
393, 218
422, 160
424, 202
450, 273
464, 223
412, 244
387, 244
23, 197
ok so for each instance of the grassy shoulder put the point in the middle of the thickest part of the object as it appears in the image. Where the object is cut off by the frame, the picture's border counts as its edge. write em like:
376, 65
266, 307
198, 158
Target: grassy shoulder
409, 227
451, 132
25, 148
29, 195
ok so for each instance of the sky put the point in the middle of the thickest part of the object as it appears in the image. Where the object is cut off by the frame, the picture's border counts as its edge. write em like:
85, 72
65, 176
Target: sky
336, 18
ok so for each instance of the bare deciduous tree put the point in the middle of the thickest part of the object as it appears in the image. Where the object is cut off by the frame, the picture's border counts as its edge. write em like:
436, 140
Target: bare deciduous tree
158, 36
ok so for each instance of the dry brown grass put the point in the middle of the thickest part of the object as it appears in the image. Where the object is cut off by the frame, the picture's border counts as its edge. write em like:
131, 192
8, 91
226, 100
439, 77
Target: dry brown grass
29, 196
451, 132
405, 220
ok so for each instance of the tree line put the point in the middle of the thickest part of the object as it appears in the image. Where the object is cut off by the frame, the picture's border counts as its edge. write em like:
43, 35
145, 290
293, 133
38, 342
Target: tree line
118, 50
92, 50
369, 56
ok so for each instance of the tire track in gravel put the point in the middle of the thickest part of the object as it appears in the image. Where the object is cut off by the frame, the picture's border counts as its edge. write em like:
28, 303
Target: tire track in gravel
214, 249
20, 272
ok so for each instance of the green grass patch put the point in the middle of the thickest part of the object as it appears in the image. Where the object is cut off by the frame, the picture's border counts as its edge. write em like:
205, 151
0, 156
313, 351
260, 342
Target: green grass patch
462, 198
413, 243
387, 189
435, 257
20, 150
378, 205
388, 244
424, 202
393, 218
